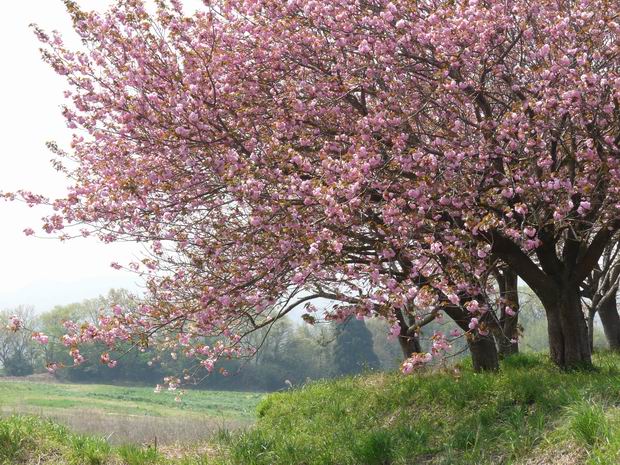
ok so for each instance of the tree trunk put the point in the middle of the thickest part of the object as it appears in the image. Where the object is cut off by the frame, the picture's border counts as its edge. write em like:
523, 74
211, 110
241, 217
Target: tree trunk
482, 348
484, 353
409, 345
569, 346
608, 311
506, 347
507, 335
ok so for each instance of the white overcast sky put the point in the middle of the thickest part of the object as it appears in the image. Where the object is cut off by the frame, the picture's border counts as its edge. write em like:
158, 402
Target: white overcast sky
42, 272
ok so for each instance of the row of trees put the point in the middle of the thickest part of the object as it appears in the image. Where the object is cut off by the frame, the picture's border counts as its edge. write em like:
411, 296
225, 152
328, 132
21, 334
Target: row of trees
406, 161
290, 353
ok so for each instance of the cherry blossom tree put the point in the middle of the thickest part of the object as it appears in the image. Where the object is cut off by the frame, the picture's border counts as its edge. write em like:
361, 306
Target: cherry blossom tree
380, 155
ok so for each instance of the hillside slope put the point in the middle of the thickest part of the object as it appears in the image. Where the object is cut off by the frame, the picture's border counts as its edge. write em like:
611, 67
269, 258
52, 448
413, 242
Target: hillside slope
528, 414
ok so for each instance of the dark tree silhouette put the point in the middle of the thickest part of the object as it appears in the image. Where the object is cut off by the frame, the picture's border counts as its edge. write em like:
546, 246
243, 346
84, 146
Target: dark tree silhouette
353, 351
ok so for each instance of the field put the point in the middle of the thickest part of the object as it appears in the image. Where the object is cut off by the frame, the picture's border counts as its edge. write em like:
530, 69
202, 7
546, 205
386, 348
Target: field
135, 415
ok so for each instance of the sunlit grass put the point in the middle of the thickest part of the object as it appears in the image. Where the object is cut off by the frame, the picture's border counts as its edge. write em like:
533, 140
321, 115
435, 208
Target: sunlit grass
440, 418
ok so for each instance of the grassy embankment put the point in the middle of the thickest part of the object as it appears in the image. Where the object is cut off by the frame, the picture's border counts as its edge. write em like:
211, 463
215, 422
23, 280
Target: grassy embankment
529, 413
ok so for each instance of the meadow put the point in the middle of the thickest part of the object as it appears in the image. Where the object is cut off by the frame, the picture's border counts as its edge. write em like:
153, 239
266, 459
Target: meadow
135, 415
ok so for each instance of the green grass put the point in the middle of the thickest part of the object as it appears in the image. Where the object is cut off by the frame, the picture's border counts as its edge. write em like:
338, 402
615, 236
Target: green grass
529, 413
30, 440
530, 410
134, 455
588, 423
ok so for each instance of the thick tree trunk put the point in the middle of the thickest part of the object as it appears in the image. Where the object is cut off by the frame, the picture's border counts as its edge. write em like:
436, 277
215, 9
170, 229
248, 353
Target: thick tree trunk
484, 354
569, 346
556, 279
608, 311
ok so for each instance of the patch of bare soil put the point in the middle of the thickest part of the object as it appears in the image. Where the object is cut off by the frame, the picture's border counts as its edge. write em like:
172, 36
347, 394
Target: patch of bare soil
567, 454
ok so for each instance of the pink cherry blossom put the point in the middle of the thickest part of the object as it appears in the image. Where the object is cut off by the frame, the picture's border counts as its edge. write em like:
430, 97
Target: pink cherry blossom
379, 159
15, 323
40, 338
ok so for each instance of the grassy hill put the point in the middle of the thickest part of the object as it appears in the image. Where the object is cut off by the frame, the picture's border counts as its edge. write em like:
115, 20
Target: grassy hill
528, 414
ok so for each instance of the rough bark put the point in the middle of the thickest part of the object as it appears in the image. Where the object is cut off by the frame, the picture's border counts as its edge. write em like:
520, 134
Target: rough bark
569, 345
409, 345
407, 339
506, 347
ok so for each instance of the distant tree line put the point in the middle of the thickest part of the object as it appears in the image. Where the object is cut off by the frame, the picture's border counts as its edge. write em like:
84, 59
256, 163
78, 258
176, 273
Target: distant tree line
289, 353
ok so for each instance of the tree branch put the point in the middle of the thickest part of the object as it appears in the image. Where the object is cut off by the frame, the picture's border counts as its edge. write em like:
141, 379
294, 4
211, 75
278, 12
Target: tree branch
590, 258
511, 254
